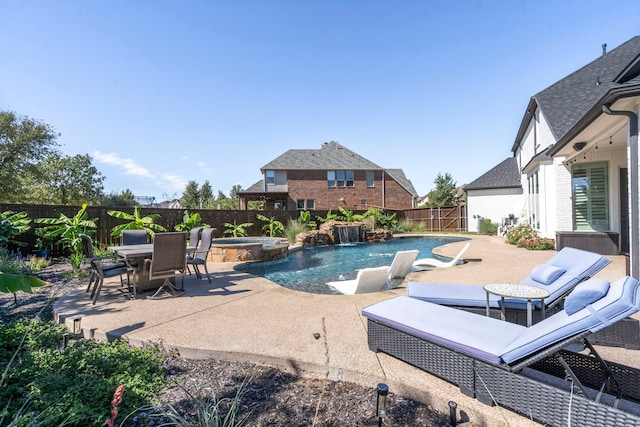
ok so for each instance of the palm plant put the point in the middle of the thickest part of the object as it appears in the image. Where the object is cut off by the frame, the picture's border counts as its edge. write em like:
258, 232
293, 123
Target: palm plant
136, 222
273, 227
237, 230
190, 221
66, 229
12, 224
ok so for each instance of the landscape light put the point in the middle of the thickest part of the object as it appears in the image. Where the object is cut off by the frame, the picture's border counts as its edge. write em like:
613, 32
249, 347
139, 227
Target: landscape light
381, 403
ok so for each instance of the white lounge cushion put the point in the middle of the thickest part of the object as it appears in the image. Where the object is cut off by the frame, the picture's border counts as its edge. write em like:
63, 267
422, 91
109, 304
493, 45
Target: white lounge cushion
546, 274
584, 294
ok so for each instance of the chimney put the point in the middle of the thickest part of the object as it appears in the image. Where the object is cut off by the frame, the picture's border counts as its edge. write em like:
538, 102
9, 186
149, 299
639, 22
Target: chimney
604, 48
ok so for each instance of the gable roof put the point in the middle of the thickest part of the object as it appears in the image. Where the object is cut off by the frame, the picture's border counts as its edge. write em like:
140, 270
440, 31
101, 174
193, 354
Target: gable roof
399, 176
568, 101
331, 155
505, 175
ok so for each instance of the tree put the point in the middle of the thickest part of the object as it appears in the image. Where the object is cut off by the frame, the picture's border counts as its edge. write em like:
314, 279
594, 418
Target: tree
206, 195
23, 143
445, 193
68, 180
191, 197
125, 198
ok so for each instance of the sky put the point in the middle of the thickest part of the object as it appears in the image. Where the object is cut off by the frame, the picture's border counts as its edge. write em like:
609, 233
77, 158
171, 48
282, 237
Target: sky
160, 93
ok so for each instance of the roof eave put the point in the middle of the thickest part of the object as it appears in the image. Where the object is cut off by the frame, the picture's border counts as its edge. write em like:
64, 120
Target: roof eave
524, 124
594, 112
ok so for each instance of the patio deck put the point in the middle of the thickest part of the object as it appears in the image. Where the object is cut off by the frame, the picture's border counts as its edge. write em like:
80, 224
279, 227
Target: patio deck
247, 318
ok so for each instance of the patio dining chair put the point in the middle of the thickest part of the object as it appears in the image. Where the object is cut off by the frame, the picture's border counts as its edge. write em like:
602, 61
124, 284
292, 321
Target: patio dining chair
194, 238
134, 237
169, 261
199, 257
101, 268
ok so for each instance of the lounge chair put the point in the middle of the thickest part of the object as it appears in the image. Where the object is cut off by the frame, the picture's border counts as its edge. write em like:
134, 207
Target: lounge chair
401, 264
425, 263
559, 275
524, 369
367, 280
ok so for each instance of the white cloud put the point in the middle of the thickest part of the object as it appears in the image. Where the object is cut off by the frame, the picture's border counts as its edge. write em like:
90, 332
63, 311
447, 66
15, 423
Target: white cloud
129, 166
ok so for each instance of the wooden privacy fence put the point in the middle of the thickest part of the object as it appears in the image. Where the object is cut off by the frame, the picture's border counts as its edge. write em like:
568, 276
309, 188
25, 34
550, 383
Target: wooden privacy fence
435, 219
443, 218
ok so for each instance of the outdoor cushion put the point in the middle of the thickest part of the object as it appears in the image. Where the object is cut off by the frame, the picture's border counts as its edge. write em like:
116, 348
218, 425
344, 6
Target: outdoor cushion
584, 294
577, 263
494, 340
546, 274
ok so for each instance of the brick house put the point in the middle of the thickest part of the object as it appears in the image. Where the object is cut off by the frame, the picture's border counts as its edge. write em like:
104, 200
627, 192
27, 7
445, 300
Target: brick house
327, 178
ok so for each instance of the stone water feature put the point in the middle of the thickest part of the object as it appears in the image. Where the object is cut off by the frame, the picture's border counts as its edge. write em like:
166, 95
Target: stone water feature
337, 232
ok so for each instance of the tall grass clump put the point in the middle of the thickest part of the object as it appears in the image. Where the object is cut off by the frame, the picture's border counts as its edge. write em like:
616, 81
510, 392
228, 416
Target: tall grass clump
293, 228
46, 382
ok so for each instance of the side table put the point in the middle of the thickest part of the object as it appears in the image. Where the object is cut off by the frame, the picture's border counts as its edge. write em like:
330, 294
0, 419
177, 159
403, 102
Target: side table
519, 291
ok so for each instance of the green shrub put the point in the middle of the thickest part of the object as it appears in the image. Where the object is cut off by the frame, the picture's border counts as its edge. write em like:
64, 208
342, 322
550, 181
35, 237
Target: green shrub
524, 236
293, 228
517, 232
73, 385
488, 227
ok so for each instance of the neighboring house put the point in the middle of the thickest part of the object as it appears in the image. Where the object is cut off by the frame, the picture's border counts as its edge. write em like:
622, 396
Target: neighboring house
328, 178
576, 156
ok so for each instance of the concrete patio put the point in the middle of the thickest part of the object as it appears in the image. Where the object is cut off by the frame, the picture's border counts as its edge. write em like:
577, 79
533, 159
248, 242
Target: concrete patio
242, 317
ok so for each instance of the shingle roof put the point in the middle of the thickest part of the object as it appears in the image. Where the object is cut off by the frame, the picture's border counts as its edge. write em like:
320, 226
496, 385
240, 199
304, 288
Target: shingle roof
504, 175
399, 176
331, 155
567, 101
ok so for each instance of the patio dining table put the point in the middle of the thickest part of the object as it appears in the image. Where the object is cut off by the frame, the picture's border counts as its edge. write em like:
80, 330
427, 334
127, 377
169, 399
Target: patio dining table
134, 256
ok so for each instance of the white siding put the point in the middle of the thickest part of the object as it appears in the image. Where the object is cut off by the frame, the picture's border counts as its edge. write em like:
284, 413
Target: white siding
493, 204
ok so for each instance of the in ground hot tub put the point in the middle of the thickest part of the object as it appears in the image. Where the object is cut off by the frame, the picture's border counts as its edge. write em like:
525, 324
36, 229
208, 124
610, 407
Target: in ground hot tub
246, 249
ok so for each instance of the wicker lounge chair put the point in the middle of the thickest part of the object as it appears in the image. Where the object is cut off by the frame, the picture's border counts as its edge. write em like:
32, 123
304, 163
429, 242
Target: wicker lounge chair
426, 263
559, 275
101, 268
518, 367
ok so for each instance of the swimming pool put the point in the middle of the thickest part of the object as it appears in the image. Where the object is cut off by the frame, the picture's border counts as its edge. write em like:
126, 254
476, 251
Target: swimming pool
309, 269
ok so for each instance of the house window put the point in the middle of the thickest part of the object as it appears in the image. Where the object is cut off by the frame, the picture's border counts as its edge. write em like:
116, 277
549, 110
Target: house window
369, 178
308, 204
534, 200
340, 178
279, 206
590, 188
270, 177
331, 178
349, 178
363, 202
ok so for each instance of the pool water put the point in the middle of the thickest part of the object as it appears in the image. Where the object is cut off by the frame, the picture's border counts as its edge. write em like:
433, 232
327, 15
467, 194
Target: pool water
309, 269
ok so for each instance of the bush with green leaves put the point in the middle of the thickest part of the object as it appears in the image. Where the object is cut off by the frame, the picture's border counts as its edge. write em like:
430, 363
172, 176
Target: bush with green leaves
135, 221
47, 384
304, 218
515, 233
12, 224
410, 227
349, 216
66, 230
524, 236
272, 227
190, 221
293, 228
382, 220
235, 229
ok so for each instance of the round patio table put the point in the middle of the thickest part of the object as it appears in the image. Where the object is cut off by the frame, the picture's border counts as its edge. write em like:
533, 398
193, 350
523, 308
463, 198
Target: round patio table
518, 291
